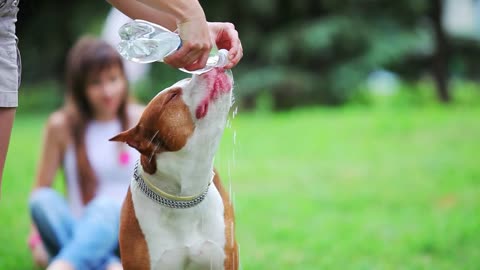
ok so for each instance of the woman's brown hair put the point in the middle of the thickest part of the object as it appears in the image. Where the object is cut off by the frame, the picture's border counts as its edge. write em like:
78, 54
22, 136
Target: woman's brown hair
88, 57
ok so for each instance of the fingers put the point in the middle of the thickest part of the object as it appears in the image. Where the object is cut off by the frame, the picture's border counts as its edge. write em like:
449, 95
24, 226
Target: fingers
189, 54
196, 45
202, 61
234, 55
193, 54
235, 52
226, 37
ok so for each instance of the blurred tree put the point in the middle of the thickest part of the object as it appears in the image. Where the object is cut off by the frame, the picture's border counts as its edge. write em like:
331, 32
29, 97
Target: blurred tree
311, 51
308, 51
297, 52
47, 29
440, 58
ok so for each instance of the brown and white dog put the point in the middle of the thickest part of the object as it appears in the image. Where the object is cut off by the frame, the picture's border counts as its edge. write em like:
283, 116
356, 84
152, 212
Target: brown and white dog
172, 218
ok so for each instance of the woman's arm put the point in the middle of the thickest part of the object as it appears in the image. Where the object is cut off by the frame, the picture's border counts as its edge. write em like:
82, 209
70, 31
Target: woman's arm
53, 146
186, 16
167, 13
50, 157
138, 10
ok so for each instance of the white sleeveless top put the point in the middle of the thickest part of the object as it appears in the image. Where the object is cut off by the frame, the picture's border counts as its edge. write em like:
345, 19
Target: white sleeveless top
112, 169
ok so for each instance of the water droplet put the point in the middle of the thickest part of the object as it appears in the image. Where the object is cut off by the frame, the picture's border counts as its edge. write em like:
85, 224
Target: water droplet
230, 191
239, 260
235, 112
229, 169
232, 234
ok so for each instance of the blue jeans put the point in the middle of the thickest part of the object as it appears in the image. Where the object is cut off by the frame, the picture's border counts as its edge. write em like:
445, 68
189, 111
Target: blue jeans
89, 242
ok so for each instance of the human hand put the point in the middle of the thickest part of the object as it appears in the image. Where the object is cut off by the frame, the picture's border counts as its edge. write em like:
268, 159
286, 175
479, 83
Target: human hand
226, 37
196, 45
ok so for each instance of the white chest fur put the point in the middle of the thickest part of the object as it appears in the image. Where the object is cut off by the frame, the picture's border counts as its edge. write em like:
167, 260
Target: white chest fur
192, 238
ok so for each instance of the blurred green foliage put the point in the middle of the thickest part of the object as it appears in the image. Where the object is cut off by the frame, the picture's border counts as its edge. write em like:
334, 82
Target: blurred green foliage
297, 52
47, 29
48, 96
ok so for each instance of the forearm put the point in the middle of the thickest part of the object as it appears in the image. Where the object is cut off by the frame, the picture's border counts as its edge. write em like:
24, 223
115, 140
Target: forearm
52, 150
137, 10
163, 12
45, 175
181, 10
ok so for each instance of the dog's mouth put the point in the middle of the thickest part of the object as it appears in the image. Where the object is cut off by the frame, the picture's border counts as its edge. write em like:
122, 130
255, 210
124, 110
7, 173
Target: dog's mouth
218, 83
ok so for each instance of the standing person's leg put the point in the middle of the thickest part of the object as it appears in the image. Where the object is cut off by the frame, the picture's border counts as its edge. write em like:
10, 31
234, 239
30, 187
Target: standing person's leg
6, 122
94, 239
10, 74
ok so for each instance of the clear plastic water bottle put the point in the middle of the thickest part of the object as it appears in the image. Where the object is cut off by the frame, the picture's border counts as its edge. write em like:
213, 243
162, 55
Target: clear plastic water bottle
146, 42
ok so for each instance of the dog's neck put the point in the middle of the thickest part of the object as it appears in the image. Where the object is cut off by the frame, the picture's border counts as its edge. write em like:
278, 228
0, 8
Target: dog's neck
189, 183
187, 172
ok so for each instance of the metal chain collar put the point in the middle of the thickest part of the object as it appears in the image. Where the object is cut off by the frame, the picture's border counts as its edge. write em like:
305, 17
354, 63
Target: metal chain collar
165, 201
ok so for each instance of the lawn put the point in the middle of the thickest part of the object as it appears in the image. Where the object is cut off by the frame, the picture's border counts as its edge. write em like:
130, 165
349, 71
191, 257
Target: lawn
352, 188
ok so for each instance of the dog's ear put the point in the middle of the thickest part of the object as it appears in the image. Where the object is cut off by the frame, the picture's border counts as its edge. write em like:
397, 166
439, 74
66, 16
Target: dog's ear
138, 138
129, 137
121, 137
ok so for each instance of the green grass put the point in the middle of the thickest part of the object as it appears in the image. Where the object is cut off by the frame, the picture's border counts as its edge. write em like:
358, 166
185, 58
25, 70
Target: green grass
352, 188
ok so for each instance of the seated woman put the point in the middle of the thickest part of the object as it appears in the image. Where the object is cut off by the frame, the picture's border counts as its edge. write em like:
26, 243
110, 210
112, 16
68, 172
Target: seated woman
81, 231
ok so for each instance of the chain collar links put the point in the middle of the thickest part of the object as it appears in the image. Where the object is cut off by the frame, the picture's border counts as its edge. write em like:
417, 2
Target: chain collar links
165, 201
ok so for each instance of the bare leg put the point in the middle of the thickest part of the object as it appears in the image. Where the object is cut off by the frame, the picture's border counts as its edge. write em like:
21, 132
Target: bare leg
6, 122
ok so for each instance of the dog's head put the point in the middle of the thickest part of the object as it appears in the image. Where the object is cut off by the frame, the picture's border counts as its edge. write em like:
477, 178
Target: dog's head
184, 121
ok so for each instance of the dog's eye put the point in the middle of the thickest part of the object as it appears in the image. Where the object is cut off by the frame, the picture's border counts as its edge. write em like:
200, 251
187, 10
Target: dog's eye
172, 96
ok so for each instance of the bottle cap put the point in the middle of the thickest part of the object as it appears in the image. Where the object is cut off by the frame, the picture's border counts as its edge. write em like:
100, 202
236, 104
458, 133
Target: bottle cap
222, 58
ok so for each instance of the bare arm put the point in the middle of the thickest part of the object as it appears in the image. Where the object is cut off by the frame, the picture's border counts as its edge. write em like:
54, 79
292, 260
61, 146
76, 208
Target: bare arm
138, 10
51, 151
182, 10
50, 157
188, 18
170, 14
